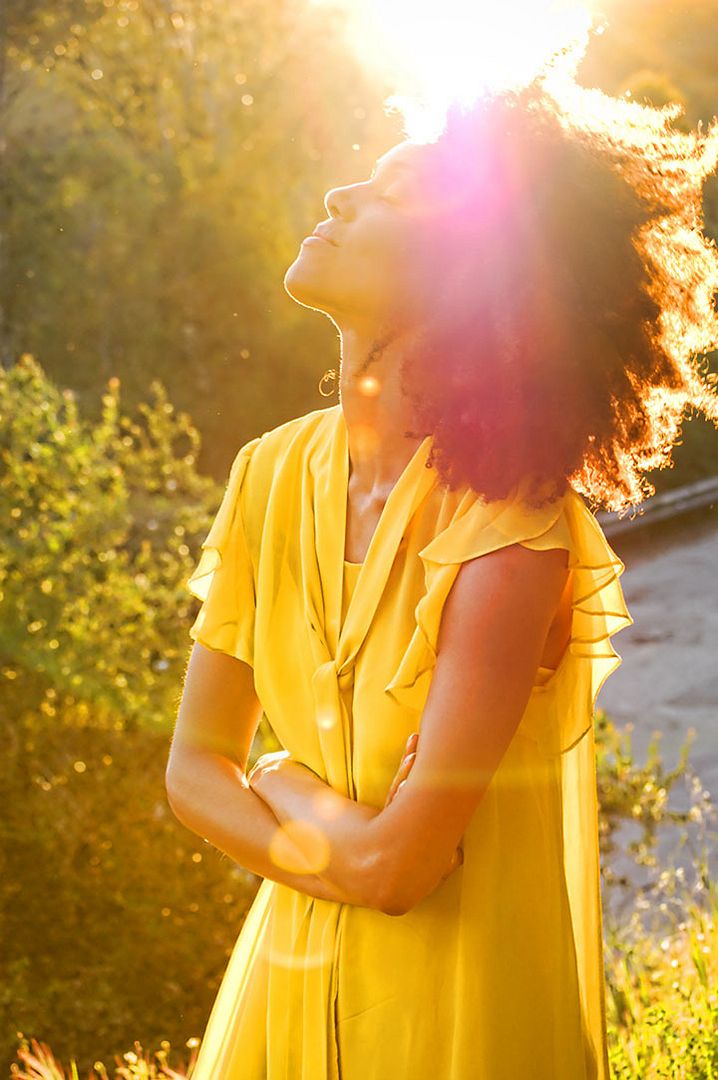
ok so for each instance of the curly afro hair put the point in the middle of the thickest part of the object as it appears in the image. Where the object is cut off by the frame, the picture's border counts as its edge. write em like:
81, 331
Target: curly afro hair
575, 342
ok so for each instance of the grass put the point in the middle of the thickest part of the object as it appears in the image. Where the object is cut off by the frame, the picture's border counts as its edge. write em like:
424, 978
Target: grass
663, 1000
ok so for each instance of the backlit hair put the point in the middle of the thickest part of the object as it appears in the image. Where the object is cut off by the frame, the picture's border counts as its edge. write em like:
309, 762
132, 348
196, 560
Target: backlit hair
575, 343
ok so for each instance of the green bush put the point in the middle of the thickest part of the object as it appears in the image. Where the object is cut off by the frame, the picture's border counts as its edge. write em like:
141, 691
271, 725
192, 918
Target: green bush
105, 520
115, 918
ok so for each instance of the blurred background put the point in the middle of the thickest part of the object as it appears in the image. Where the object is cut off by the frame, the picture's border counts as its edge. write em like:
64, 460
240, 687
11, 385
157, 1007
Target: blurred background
160, 163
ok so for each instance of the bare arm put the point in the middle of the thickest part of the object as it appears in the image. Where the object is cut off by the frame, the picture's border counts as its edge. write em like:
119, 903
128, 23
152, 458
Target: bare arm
494, 626
330, 828
205, 777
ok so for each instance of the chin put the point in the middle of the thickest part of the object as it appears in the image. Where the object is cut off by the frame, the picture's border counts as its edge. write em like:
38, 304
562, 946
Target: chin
304, 286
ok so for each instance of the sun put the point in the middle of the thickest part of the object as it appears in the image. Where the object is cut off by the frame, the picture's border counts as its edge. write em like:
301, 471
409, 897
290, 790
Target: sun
454, 50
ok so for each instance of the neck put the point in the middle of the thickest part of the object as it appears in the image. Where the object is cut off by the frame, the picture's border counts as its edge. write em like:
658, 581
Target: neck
376, 413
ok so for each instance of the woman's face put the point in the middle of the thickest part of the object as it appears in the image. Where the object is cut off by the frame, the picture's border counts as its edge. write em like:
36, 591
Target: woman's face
388, 241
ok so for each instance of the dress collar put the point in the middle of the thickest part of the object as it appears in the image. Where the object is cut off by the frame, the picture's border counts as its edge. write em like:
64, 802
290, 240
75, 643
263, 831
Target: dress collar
331, 493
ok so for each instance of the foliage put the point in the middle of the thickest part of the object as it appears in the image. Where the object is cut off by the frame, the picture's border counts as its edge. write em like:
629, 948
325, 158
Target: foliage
39, 1063
105, 520
655, 47
160, 164
662, 957
147, 217
663, 999
639, 793
115, 918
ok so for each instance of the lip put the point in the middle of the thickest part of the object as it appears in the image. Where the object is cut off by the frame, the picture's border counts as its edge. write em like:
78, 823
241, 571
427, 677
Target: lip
318, 235
315, 240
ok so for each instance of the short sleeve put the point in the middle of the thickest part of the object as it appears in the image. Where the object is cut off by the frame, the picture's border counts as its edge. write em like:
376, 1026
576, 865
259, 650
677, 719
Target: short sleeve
598, 606
224, 577
476, 528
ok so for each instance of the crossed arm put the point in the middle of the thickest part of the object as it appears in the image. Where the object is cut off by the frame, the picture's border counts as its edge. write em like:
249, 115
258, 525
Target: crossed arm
493, 633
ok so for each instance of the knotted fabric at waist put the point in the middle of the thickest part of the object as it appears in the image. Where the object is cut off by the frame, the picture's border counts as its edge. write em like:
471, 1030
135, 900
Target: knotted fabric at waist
333, 689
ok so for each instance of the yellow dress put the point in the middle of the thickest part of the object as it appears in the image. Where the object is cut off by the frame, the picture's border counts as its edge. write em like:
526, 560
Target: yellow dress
497, 974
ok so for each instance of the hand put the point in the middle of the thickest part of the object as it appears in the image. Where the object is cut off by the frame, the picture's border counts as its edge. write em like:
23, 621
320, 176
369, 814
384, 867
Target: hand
404, 767
400, 778
456, 860
270, 765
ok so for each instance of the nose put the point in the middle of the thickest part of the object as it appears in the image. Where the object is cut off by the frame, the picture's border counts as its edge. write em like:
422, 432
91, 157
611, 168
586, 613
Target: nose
340, 202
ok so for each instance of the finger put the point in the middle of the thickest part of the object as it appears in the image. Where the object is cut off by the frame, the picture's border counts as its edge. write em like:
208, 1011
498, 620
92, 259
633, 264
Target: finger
390, 792
403, 771
393, 787
457, 859
399, 778
394, 793
404, 766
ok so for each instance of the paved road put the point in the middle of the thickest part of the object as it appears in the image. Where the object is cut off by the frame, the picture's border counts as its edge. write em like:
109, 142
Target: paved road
668, 680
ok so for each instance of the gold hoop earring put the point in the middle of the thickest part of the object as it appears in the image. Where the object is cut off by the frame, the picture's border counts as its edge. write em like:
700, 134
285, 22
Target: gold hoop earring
331, 375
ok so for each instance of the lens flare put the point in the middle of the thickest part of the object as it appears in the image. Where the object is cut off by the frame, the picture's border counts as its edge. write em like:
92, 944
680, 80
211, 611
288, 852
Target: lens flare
300, 847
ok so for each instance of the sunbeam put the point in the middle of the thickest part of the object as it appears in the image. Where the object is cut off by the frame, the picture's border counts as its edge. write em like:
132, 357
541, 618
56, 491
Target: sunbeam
458, 49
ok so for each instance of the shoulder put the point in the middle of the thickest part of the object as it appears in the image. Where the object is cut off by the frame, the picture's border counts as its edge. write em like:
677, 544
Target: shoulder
473, 526
269, 466
513, 569
282, 445
298, 428
512, 580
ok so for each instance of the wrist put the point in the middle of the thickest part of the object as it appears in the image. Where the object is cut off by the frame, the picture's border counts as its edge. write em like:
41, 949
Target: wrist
354, 868
330, 825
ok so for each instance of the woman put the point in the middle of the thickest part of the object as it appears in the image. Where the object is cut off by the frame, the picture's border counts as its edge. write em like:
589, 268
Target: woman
411, 586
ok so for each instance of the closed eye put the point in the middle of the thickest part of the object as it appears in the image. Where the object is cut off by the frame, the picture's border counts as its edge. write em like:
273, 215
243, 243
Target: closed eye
390, 195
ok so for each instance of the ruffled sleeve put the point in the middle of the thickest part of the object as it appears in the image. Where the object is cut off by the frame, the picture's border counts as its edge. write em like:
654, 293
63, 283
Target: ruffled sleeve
598, 607
561, 710
224, 577
476, 528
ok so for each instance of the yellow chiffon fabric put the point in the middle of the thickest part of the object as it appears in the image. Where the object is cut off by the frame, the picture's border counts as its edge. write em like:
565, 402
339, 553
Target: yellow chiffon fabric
497, 974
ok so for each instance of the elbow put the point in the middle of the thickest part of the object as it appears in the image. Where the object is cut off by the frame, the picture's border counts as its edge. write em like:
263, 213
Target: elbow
371, 882
179, 784
402, 883
396, 901
395, 906
173, 790
392, 891
192, 779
